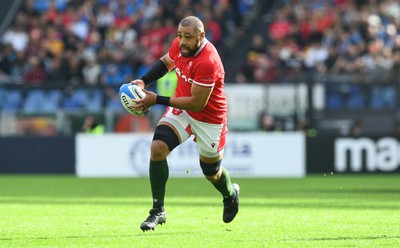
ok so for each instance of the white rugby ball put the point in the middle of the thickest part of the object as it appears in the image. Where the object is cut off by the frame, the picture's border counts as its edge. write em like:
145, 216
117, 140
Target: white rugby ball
128, 93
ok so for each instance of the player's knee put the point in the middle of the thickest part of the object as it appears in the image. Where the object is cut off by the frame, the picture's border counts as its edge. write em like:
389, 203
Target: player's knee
167, 135
211, 171
159, 150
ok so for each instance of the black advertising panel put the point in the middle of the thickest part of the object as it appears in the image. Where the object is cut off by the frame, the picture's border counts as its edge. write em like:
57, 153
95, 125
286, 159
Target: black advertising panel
37, 155
353, 155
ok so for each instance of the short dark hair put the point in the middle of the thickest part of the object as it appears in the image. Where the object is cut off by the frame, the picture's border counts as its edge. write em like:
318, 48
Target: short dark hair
192, 21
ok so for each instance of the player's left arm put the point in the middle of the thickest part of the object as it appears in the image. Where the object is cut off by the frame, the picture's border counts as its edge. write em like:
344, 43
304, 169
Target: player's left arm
196, 101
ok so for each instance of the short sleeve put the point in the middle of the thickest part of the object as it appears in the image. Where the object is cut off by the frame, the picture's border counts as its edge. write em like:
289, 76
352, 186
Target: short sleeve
205, 74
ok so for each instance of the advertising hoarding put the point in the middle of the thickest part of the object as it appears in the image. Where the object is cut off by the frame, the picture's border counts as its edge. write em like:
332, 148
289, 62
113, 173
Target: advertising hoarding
246, 155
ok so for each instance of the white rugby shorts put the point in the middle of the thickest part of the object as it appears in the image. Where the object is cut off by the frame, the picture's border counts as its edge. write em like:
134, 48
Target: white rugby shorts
211, 138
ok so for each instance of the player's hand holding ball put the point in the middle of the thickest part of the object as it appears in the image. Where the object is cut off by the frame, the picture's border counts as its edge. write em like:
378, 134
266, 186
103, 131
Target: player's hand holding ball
128, 93
138, 82
135, 99
146, 102
149, 99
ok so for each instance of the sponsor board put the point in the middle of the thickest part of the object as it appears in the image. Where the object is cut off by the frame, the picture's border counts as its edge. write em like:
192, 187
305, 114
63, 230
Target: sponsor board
366, 154
246, 155
347, 154
247, 102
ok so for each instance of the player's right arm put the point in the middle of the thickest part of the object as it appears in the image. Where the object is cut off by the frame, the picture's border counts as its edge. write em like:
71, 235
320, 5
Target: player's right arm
168, 62
157, 70
202, 86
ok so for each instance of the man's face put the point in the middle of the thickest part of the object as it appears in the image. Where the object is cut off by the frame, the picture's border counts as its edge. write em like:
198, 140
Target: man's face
189, 40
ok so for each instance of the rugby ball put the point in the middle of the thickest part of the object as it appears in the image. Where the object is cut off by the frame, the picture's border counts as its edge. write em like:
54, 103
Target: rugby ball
128, 93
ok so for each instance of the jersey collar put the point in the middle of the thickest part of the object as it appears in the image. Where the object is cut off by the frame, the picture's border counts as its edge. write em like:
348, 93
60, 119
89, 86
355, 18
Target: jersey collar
203, 44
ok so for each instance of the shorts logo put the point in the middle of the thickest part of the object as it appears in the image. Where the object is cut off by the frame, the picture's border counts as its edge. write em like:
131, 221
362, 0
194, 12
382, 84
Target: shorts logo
176, 111
212, 145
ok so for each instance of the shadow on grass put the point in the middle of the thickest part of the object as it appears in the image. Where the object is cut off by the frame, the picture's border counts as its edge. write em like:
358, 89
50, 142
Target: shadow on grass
355, 191
212, 203
145, 234
346, 238
160, 234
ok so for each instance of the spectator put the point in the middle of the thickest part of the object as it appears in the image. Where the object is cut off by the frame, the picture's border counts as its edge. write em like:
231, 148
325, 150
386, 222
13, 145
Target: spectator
104, 19
213, 29
53, 42
17, 38
257, 45
246, 72
267, 123
92, 126
112, 77
6, 59
35, 74
356, 129
58, 71
291, 57
79, 25
74, 75
18, 68
314, 55
281, 26
91, 72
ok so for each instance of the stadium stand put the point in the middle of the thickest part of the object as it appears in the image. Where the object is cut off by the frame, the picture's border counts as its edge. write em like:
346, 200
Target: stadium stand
70, 45
80, 48
340, 40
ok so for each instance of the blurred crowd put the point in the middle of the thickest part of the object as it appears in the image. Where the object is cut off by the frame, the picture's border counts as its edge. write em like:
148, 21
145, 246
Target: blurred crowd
107, 42
89, 43
335, 40
102, 42
75, 54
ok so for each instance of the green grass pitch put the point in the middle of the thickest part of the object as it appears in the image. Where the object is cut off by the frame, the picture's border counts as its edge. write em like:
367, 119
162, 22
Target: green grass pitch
316, 211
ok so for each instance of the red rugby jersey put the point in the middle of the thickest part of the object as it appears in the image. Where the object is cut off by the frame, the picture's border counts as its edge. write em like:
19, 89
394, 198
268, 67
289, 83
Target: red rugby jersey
205, 69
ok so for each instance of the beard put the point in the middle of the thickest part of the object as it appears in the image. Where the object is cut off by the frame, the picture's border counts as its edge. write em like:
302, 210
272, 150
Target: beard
187, 51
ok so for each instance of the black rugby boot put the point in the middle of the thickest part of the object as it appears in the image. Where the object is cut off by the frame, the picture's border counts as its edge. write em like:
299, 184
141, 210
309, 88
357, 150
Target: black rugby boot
157, 216
231, 205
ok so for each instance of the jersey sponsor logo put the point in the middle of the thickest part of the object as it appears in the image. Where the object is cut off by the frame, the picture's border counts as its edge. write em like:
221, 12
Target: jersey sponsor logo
364, 153
183, 76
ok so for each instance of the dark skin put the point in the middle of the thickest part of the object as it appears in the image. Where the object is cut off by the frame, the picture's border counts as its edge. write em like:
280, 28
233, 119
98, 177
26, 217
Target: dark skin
190, 41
